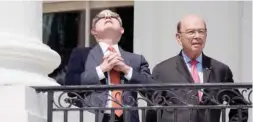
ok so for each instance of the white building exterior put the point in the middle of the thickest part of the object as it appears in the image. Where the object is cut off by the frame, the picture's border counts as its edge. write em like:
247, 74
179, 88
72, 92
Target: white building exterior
26, 61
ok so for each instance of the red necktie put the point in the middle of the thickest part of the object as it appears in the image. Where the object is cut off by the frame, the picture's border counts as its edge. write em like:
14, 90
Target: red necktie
195, 76
116, 94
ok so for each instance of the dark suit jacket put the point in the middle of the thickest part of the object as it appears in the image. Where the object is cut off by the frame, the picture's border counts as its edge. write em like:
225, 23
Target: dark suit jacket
81, 71
174, 70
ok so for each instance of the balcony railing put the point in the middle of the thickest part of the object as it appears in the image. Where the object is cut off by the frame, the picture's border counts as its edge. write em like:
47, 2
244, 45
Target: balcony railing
173, 98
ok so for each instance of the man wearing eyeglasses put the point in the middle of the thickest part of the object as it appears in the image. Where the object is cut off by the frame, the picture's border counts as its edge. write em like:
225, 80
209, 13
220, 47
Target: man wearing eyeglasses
106, 63
191, 65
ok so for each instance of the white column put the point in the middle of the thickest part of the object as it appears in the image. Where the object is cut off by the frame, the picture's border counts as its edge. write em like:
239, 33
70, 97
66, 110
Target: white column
24, 59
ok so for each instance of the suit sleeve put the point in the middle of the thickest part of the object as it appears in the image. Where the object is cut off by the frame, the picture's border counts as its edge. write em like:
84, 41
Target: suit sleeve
76, 73
75, 67
155, 73
233, 114
143, 76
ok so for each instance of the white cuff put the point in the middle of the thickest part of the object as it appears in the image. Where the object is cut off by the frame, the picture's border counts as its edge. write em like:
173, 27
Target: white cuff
100, 73
128, 76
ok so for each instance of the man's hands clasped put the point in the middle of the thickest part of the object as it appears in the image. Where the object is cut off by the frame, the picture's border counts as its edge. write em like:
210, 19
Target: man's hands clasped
114, 61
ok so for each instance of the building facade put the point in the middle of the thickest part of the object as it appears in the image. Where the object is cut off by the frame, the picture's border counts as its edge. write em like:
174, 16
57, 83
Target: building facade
26, 60
150, 29
153, 24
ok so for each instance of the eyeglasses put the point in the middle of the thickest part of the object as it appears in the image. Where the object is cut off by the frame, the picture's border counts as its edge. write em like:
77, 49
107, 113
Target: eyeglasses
111, 15
105, 16
201, 32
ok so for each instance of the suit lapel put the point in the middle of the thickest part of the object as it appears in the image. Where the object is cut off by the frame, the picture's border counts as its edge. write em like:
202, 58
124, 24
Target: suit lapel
97, 54
182, 68
206, 68
125, 56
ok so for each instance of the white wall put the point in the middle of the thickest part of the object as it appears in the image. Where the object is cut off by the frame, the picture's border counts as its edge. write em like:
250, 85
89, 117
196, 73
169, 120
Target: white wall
246, 38
229, 31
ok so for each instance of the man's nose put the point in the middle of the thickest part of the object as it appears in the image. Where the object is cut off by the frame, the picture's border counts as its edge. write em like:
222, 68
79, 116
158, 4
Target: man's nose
108, 17
196, 35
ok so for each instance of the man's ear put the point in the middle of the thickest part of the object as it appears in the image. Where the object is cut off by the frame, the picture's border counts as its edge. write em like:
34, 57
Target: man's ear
178, 37
93, 31
122, 30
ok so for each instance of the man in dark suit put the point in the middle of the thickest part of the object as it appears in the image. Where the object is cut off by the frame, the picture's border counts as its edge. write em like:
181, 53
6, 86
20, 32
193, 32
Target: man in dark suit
192, 66
107, 63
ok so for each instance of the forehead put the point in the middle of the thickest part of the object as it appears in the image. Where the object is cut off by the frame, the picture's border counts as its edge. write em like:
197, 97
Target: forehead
192, 23
106, 12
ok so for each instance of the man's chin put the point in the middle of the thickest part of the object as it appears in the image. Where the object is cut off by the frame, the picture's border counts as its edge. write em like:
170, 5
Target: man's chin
110, 29
197, 50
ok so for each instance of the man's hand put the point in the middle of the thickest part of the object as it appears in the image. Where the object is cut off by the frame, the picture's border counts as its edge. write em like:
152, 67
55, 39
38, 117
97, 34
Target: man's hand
121, 67
109, 61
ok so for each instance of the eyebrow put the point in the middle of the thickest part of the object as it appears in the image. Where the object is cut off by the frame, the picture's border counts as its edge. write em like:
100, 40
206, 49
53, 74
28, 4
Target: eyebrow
196, 29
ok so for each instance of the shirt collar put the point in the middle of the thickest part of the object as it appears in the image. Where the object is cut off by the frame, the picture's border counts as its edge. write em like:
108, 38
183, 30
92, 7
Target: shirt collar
105, 46
187, 59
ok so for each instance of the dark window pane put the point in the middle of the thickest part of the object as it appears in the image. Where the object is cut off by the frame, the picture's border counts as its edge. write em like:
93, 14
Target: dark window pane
60, 32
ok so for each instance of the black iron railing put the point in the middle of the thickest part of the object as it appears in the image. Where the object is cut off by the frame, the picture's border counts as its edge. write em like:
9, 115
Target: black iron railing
160, 98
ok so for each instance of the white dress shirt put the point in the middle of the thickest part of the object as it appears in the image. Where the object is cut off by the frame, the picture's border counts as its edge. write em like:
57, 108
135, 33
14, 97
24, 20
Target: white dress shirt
100, 73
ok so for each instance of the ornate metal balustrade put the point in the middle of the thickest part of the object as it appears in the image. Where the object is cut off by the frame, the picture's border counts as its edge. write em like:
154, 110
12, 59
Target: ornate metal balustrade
158, 97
